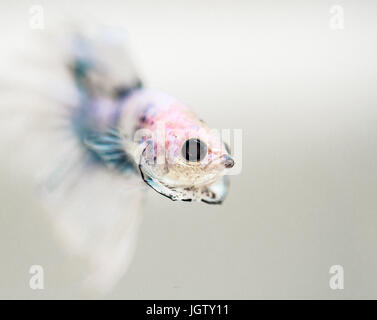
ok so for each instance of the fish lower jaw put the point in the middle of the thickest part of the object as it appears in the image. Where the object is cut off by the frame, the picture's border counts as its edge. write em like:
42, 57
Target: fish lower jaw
184, 182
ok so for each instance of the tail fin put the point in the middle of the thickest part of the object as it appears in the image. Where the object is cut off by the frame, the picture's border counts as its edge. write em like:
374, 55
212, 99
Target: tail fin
94, 210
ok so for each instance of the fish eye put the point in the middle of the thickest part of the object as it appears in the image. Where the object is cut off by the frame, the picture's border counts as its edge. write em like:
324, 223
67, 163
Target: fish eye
194, 150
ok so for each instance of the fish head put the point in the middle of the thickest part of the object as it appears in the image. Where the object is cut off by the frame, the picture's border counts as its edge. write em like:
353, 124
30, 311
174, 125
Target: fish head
189, 163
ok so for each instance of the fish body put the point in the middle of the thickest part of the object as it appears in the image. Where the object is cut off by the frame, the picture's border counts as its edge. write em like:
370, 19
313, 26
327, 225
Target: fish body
132, 127
76, 116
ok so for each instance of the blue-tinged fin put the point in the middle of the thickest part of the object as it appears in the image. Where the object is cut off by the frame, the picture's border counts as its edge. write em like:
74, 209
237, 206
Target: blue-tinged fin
108, 148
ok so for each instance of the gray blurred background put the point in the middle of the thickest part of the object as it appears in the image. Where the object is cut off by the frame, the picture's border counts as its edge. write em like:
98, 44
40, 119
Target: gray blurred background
305, 96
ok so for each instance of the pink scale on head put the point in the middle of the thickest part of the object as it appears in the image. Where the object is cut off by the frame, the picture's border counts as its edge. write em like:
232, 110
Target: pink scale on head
180, 124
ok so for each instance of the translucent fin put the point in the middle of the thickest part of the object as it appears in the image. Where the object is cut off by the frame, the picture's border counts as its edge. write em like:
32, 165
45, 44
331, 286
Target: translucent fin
216, 193
101, 63
97, 218
94, 210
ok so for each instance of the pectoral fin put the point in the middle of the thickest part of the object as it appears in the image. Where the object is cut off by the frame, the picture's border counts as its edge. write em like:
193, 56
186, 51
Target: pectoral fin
216, 192
109, 148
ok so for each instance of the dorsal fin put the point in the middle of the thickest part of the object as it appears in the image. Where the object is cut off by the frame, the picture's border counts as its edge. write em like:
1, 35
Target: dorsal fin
101, 64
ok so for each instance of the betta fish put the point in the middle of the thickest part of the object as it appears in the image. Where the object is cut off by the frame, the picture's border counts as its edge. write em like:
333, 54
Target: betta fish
93, 135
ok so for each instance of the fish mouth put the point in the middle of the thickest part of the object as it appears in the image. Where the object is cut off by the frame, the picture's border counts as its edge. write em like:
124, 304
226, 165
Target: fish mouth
227, 161
221, 163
